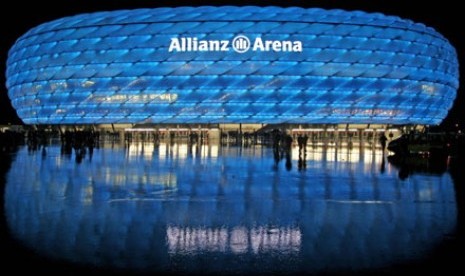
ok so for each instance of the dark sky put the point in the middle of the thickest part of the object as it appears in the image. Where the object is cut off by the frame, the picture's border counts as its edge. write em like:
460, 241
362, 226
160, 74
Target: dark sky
445, 16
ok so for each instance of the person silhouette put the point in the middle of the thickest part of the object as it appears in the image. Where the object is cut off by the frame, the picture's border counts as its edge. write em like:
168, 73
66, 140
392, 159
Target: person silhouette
288, 160
382, 140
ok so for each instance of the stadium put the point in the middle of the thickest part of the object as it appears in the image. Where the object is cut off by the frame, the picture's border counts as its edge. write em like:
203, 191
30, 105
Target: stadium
232, 68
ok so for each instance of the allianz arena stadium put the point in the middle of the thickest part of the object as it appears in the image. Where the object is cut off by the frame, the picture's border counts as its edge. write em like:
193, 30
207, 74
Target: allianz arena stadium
213, 65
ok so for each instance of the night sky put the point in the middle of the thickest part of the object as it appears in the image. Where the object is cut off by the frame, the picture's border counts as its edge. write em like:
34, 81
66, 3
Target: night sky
444, 16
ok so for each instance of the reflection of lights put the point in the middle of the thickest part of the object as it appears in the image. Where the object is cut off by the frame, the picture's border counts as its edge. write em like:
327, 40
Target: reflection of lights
119, 176
239, 240
342, 154
188, 240
313, 155
130, 213
141, 149
331, 154
162, 151
123, 180
214, 151
361, 201
183, 151
88, 195
370, 157
425, 193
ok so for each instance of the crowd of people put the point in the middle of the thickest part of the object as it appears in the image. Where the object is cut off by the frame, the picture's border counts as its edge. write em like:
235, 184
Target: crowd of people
282, 145
81, 141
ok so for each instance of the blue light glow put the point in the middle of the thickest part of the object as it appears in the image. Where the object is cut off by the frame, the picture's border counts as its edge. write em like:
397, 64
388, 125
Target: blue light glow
117, 67
175, 207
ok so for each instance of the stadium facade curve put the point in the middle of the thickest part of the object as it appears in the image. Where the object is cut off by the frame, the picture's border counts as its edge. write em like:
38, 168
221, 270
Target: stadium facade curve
232, 65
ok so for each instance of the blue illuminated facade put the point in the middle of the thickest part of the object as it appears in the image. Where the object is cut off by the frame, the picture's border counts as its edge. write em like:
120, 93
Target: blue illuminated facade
232, 65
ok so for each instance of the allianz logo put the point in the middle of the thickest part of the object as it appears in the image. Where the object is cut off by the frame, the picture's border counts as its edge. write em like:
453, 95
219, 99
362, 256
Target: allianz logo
240, 44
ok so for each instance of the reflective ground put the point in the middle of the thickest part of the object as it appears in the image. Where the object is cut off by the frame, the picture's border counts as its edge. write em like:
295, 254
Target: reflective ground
181, 208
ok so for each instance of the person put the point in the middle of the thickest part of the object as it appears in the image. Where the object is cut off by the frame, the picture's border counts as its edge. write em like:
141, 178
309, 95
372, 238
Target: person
383, 140
300, 142
304, 142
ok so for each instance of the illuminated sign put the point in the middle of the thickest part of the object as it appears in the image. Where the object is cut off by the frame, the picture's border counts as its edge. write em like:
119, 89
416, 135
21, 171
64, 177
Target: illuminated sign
239, 44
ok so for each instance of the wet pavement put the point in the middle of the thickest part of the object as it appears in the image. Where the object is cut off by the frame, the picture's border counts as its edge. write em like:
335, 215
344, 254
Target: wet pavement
210, 209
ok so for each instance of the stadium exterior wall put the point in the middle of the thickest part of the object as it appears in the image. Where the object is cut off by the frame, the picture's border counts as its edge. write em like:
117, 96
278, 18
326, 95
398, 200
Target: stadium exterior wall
232, 65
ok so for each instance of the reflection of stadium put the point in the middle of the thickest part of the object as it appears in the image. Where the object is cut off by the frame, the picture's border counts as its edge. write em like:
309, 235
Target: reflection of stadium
148, 207
215, 65
239, 240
